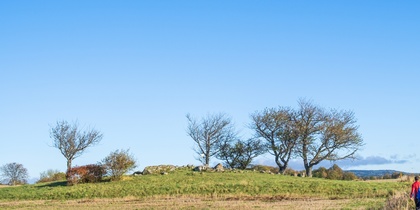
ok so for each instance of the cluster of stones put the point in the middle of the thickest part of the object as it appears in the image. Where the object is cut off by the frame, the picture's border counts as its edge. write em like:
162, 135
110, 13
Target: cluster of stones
160, 169
218, 168
266, 172
166, 169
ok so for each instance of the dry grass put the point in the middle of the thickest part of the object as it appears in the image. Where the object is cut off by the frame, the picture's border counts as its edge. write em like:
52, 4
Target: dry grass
4, 185
400, 201
388, 180
193, 202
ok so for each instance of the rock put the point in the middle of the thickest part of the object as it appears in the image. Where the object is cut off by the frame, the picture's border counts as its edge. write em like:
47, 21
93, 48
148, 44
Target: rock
137, 173
200, 168
158, 169
219, 168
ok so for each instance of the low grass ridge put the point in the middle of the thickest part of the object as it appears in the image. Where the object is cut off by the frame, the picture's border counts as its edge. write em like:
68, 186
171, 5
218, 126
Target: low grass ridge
234, 184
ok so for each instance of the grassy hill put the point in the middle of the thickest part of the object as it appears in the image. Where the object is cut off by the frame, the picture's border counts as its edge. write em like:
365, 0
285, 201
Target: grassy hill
234, 185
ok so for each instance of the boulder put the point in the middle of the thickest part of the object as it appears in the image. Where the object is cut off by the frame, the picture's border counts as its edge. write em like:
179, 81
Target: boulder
200, 168
137, 173
219, 168
158, 169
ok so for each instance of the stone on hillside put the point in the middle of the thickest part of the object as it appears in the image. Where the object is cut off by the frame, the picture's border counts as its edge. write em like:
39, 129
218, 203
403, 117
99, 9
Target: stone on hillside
189, 166
137, 173
158, 169
219, 168
200, 168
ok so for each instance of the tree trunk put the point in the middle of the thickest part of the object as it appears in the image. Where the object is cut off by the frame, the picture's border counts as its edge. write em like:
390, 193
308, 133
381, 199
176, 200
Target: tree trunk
207, 160
68, 167
282, 169
308, 170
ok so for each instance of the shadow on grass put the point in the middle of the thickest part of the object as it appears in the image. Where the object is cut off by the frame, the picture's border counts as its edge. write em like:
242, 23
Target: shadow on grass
64, 183
54, 184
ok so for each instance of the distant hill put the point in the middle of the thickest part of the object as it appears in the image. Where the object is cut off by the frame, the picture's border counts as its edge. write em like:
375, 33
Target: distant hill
376, 173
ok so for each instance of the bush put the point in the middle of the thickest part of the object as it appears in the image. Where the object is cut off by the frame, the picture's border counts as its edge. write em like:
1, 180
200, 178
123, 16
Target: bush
85, 174
118, 163
335, 173
349, 176
321, 172
265, 169
240, 154
51, 176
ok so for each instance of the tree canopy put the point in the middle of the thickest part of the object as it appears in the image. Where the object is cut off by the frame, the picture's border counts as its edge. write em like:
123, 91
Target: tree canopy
210, 134
309, 132
14, 173
72, 141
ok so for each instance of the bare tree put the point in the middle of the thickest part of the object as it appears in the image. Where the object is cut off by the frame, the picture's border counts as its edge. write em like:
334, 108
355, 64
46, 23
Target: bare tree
71, 141
241, 154
276, 127
210, 134
14, 173
325, 135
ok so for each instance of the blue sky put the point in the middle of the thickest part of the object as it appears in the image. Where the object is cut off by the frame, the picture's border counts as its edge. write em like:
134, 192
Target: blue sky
134, 69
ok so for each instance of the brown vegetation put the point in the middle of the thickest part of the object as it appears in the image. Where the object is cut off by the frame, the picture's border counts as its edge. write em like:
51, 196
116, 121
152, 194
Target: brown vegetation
85, 174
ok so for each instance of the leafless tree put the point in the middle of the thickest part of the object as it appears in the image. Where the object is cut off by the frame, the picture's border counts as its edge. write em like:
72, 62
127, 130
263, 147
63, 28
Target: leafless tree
276, 127
71, 141
325, 135
210, 134
14, 173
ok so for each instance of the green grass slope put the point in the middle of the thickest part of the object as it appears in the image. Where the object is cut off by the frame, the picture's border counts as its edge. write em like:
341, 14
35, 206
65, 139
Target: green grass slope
184, 182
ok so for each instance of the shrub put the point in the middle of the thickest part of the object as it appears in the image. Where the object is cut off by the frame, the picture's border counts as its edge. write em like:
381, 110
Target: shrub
118, 163
349, 176
51, 176
321, 172
85, 174
240, 154
265, 169
335, 173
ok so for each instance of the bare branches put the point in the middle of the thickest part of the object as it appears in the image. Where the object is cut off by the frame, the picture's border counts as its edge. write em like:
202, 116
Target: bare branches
71, 141
209, 134
325, 135
14, 173
309, 132
276, 127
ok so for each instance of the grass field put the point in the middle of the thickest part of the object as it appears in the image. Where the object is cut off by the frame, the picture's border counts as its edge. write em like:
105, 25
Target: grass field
184, 189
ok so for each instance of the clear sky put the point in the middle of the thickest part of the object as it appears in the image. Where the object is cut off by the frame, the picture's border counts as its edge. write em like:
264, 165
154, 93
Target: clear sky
134, 69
